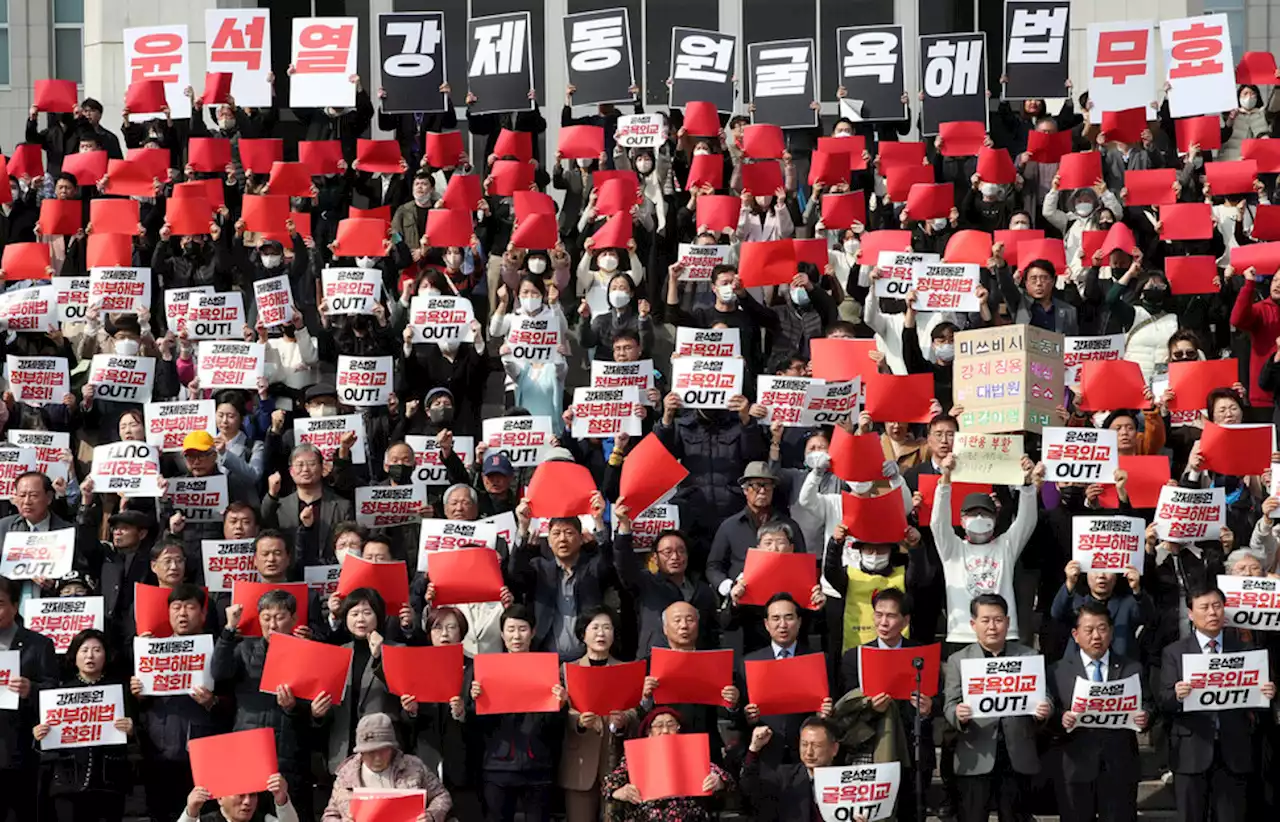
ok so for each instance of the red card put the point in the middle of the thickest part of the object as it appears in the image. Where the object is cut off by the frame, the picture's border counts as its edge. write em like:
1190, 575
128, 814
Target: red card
899, 181
447, 227
690, 677
289, 180
828, 169
1079, 169
1204, 132
379, 156
718, 212
1048, 148
129, 178
108, 250
929, 201
701, 119
962, 138
1192, 381
1266, 222
615, 233
560, 489
517, 145
87, 166
444, 149
996, 166
301, 225
381, 213
209, 190
517, 683
145, 97
151, 610
429, 673
1264, 152
56, 96
1256, 68
813, 252
841, 211
112, 216
186, 216
217, 88
1231, 177
320, 156
209, 154
248, 594
669, 765
897, 154
648, 473
537, 231
928, 486
1119, 238
1186, 221
767, 573
706, 170
852, 146
840, 360
881, 519
856, 457
1012, 239
900, 399
466, 575
509, 176
61, 217
1150, 187
616, 196
893, 672
463, 192
361, 238
968, 246
1236, 452
526, 203
1147, 475
762, 178
1124, 126
604, 689
392, 807
234, 763
27, 161
155, 161
1264, 258
767, 263
1091, 242
1191, 275
887, 239
763, 142
26, 261
1049, 250
581, 142
1110, 386
309, 668
266, 214
796, 685
390, 579
259, 156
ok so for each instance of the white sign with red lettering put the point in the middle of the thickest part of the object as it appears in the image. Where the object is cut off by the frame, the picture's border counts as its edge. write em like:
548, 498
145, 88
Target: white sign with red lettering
226, 562
535, 339
1199, 65
1110, 705
1079, 350
1121, 66
599, 413
216, 316
122, 379
238, 42
1089, 455
49, 447
31, 554
173, 665
275, 300
73, 298
82, 717
451, 534
326, 433
429, 468
168, 423
160, 53
504, 526
177, 304
869, 792
384, 506
641, 131
61, 618
442, 320
706, 382
1002, 686
230, 364
323, 57
1252, 602
364, 382
898, 270
783, 398
1225, 682
30, 309
1190, 514
120, 290
37, 380
698, 261
652, 521
131, 469
1108, 545
14, 462
522, 439
637, 375
323, 579
350, 290
708, 342
946, 287
199, 499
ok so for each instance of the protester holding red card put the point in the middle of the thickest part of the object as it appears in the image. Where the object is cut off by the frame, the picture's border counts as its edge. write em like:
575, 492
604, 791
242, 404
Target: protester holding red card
1107, 386
234, 763
961, 138
466, 575
769, 572
856, 457
666, 774
1237, 451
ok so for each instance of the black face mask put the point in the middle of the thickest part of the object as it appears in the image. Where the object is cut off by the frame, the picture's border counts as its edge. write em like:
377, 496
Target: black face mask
192, 250
400, 474
440, 416
360, 324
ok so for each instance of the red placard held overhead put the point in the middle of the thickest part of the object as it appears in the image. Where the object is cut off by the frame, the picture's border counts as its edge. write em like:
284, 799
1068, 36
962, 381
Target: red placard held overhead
217, 88
787, 686
581, 142
361, 238
233, 763
840, 211
881, 519
60, 217
560, 489
969, 246
247, 594
209, 154
649, 472
390, 579
1079, 170
109, 251
718, 213
288, 179
669, 765
1186, 221
1150, 187
1192, 381
1265, 152
1146, 476
259, 155
929, 201
26, 261
1048, 148
1203, 132
1124, 126
995, 165
893, 398
959, 490
114, 216
448, 227
1192, 275
856, 457
55, 96
320, 156
1111, 385
151, 610
444, 149
962, 138
1231, 177
705, 170
1256, 68
763, 141
536, 231
604, 689
379, 156
517, 145
767, 263
1263, 258
87, 167
1012, 239
761, 178
266, 214
1237, 452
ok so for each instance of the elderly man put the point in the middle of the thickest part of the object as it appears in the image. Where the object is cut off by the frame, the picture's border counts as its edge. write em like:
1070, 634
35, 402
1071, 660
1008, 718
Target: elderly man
242, 807
309, 514
118, 565
202, 460
786, 793
739, 533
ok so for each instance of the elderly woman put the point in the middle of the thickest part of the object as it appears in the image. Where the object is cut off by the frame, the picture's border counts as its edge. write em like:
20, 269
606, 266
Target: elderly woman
378, 762
626, 804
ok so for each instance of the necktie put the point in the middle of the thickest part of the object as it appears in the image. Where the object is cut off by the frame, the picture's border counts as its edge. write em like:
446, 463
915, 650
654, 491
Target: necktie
1097, 670
1213, 646
784, 653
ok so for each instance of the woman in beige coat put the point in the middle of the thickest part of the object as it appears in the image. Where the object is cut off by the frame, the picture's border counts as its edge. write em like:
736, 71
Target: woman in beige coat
592, 744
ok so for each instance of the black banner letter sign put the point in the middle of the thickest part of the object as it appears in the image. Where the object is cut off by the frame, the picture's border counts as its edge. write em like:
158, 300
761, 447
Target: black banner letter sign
783, 82
411, 46
598, 54
872, 72
953, 72
1036, 48
702, 67
500, 62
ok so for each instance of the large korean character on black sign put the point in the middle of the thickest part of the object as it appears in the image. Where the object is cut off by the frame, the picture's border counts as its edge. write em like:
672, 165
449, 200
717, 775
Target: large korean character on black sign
953, 75
411, 46
872, 70
782, 82
500, 63
597, 51
1037, 35
702, 67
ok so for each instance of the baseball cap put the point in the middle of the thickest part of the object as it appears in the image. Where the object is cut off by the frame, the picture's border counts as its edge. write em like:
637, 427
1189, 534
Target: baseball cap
497, 464
197, 441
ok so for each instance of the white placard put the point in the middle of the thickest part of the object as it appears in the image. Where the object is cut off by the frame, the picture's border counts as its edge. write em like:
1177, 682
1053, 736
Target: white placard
1252, 602
805, 402
638, 375
350, 290
652, 521
450, 534
708, 342
504, 526
323, 55
131, 469
222, 364
535, 339
1120, 65
429, 469
226, 562
173, 665
844, 793
1199, 65
989, 458
274, 298
323, 579
120, 290
177, 304
1107, 705
605, 412
159, 53
897, 272
1108, 544
698, 261
238, 42
523, 439
1190, 514
326, 434
10, 671
73, 298
199, 499
216, 316
31, 554
37, 381
1079, 350
82, 717
641, 131
1225, 682
30, 309
1088, 455
946, 287
441, 319
365, 382
1003, 686
706, 382
14, 462
122, 379
49, 447
61, 618
384, 506
168, 423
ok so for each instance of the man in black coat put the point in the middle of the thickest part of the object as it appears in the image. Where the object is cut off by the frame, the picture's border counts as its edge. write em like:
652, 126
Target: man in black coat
1100, 767
37, 669
785, 793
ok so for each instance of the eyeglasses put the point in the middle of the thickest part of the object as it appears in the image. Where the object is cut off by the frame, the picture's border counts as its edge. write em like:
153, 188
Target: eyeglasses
1182, 356
758, 487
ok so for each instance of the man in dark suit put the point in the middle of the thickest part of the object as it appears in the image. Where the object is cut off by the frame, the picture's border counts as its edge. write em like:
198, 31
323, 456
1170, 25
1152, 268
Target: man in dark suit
37, 669
1100, 768
785, 793
1210, 752
309, 514
782, 621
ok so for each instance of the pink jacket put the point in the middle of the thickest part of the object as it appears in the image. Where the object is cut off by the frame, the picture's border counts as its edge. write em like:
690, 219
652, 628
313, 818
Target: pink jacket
407, 772
1261, 321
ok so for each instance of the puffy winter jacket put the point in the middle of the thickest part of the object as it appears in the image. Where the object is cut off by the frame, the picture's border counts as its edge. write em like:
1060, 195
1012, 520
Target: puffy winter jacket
240, 663
716, 450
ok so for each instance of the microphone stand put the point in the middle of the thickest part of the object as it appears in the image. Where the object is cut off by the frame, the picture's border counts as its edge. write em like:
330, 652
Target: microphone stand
918, 664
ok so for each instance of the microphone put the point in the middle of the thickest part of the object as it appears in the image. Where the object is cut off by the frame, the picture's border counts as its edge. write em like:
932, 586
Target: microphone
918, 663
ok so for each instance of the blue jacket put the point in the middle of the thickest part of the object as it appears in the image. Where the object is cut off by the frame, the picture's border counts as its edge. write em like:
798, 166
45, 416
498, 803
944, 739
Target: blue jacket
1129, 612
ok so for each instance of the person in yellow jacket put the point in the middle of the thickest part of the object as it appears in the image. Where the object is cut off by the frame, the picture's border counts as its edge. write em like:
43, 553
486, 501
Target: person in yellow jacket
878, 565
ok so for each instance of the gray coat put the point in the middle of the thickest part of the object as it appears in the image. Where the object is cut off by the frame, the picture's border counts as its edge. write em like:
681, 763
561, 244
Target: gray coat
372, 698
976, 740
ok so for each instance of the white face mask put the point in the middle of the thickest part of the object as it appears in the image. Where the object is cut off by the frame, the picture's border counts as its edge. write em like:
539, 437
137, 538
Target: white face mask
990, 189
537, 265
422, 200
227, 123
453, 261
979, 528
1084, 209
863, 487
644, 166
432, 292
817, 460
607, 262
530, 305
584, 163
619, 299
763, 202
799, 296
940, 223
850, 247
841, 134
945, 352
874, 561
726, 293
1020, 227
366, 262
126, 347
270, 261
1248, 101
322, 410
700, 152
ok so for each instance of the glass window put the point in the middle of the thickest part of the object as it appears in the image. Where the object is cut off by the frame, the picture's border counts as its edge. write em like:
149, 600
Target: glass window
68, 40
1234, 9
68, 11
